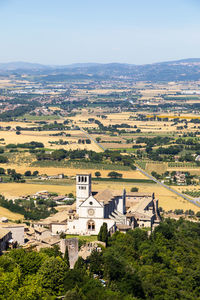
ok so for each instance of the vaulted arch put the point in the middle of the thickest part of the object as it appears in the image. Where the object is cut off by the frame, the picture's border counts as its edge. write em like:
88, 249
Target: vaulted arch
91, 225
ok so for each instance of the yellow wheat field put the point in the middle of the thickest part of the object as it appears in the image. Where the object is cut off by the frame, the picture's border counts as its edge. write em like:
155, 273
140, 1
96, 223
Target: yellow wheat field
159, 168
10, 215
44, 137
14, 124
70, 171
167, 200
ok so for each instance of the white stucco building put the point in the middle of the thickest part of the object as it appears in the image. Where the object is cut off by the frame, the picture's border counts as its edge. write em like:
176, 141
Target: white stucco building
17, 231
92, 210
120, 210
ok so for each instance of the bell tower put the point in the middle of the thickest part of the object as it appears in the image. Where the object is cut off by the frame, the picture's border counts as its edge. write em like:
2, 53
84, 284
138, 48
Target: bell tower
83, 188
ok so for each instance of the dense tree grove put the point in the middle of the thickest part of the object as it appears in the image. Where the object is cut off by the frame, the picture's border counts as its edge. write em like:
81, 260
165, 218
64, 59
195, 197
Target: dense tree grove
28, 209
85, 155
31, 145
165, 265
19, 111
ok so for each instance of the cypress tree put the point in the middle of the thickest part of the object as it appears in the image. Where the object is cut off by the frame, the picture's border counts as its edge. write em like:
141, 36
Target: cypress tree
66, 256
103, 233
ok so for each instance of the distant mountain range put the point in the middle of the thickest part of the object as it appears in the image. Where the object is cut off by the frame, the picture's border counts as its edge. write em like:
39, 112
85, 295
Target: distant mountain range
180, 70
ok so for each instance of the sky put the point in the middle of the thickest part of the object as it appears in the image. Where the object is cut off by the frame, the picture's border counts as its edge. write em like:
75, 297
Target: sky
59, 32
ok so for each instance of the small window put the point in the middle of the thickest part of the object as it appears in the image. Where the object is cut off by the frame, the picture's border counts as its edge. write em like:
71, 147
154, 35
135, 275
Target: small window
74, 227
90, 202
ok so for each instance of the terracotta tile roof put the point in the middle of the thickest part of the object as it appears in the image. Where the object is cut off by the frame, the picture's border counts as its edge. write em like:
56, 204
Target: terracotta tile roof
107, 195
136, 194
41, 229
9, 225
51, 240
57, 218
123, 227
3, 232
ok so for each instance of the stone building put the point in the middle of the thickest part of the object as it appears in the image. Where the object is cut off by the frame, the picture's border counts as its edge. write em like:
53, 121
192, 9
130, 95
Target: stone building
109, 206
17, 231
120, 210
5, 237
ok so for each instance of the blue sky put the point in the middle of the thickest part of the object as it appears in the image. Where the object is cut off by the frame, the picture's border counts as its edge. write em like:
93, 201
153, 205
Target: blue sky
127, 31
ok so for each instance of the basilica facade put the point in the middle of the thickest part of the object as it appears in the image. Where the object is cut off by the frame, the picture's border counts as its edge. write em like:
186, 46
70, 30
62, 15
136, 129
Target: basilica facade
121, 211
93, 209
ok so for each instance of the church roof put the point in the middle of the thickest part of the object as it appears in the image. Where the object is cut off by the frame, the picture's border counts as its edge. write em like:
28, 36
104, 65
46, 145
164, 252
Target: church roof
41, 229
57, 218
123, 226
51, 240
107, 195
142, 205
136, 194
3, 232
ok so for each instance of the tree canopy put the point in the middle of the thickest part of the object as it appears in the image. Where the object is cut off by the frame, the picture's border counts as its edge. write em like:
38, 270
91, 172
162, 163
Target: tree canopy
133, 266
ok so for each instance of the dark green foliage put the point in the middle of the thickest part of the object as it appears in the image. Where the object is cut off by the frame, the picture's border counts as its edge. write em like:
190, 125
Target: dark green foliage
103, 233
52, 274
3, 159
2, 171
31, 145
165, 265
75, 294
30, 212
27, 173
18, 111
54, 251
114, 157
66, 256
97, 174
29, 262
114, 174
134, 189
35, 173
96, 263
80, 264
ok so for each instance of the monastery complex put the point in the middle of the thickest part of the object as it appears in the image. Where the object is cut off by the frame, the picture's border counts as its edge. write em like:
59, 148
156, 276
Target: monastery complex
120, 210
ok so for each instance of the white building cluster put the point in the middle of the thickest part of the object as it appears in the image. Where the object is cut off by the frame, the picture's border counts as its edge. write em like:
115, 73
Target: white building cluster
121, 211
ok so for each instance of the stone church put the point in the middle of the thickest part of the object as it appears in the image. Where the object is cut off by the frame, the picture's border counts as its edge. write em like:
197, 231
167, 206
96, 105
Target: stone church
93, 209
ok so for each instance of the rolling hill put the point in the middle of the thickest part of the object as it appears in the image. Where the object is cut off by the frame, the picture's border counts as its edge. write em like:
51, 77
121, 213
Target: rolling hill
180, 70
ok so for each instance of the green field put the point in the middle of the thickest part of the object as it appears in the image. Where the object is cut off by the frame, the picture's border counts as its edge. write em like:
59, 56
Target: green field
80, 165
124, 180
182, 165
38, 118
88, 238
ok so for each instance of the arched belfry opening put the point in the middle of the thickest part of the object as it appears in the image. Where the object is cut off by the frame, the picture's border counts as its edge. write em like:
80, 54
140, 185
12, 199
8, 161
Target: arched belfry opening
83, 188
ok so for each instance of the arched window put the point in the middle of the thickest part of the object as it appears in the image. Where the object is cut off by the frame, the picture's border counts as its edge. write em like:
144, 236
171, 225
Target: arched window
91, 225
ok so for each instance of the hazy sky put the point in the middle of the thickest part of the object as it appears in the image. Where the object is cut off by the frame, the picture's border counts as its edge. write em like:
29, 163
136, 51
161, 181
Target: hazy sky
131, 31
